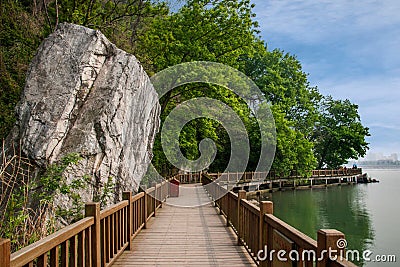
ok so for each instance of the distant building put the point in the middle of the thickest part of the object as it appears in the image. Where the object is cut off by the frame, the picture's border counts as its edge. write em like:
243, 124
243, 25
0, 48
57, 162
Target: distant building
379, 156
379, 160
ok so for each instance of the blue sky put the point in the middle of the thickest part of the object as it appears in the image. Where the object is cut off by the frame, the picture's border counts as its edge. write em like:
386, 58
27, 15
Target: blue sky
350, 50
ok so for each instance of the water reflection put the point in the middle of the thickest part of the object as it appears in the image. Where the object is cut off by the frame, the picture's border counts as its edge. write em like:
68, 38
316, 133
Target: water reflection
341, 207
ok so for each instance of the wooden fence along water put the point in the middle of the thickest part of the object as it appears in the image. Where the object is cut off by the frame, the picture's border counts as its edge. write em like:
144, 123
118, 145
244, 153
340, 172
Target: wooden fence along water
97, 240
274, 175
257, 228
101, 237
272, 181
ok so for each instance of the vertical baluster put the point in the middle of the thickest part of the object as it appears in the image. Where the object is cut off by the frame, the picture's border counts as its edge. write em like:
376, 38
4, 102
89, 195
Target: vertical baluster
72, 251
88, 247
54, 257
103, 244
121, 228
137, 214
241, 195
81, 248
64, 254
155, 199
115, 227
134, 218
42, 260
107, 238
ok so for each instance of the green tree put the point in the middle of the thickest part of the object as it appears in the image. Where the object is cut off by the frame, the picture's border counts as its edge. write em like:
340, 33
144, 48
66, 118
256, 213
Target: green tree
293, 102
339, 134
218, 31
281, 78
20, 35
293, 150
200, 30
195, 131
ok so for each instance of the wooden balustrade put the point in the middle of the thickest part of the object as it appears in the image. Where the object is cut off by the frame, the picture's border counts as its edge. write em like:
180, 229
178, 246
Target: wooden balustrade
188, 178
97, 240
274, 175
257, 228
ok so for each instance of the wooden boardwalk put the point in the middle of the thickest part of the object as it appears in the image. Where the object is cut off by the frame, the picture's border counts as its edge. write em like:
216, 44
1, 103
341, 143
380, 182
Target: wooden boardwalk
185, 232
186, 236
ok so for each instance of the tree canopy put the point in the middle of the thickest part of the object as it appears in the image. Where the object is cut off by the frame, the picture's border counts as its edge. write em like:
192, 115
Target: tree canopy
312, 130
339, 134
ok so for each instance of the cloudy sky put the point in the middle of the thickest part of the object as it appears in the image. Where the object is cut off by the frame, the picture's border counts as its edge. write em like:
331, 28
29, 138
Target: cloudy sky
351, 49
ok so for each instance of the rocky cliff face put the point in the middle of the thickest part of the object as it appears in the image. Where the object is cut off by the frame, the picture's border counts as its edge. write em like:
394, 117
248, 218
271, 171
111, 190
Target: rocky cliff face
85, 95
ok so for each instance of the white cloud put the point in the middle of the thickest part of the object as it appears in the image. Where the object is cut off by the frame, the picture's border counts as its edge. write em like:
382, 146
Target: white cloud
311, 21
377, 96
371, 88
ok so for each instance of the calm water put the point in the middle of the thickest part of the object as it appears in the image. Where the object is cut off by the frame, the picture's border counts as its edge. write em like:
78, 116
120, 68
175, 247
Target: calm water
368, 214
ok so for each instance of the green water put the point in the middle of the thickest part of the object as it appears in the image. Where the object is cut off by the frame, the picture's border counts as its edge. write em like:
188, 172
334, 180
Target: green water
368, 214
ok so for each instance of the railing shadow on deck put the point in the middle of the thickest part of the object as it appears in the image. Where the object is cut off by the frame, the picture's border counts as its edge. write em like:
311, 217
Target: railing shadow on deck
97, 240
258, 229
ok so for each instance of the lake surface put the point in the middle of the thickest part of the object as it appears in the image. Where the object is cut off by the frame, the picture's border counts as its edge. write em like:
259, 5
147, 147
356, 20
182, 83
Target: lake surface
368, 214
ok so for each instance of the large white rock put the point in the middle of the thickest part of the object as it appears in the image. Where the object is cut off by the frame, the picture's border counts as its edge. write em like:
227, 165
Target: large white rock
85, 95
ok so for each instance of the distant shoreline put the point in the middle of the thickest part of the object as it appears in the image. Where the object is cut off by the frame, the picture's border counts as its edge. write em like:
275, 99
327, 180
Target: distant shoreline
375, 167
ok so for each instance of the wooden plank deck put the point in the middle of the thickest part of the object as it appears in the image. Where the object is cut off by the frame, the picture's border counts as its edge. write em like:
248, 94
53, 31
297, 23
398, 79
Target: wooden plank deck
186, 236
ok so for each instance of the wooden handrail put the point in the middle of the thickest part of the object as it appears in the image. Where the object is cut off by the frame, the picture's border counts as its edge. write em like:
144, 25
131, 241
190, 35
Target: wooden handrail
137, 196
96, 240
256, 228
33, 251
250, 206
113, 209
274, 175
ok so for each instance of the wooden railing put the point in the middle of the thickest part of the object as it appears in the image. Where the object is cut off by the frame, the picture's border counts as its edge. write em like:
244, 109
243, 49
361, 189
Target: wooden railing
257, 229
188, 178
274, 175
97, 240
335, 173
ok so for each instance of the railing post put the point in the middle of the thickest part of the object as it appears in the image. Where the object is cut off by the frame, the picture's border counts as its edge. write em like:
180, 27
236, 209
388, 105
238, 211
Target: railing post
159, 194
169, 187
93, 210
164, 190
155, 198
144, 188
5, 252
228, 208
241, 195
329, 245
129, 217
266, 207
